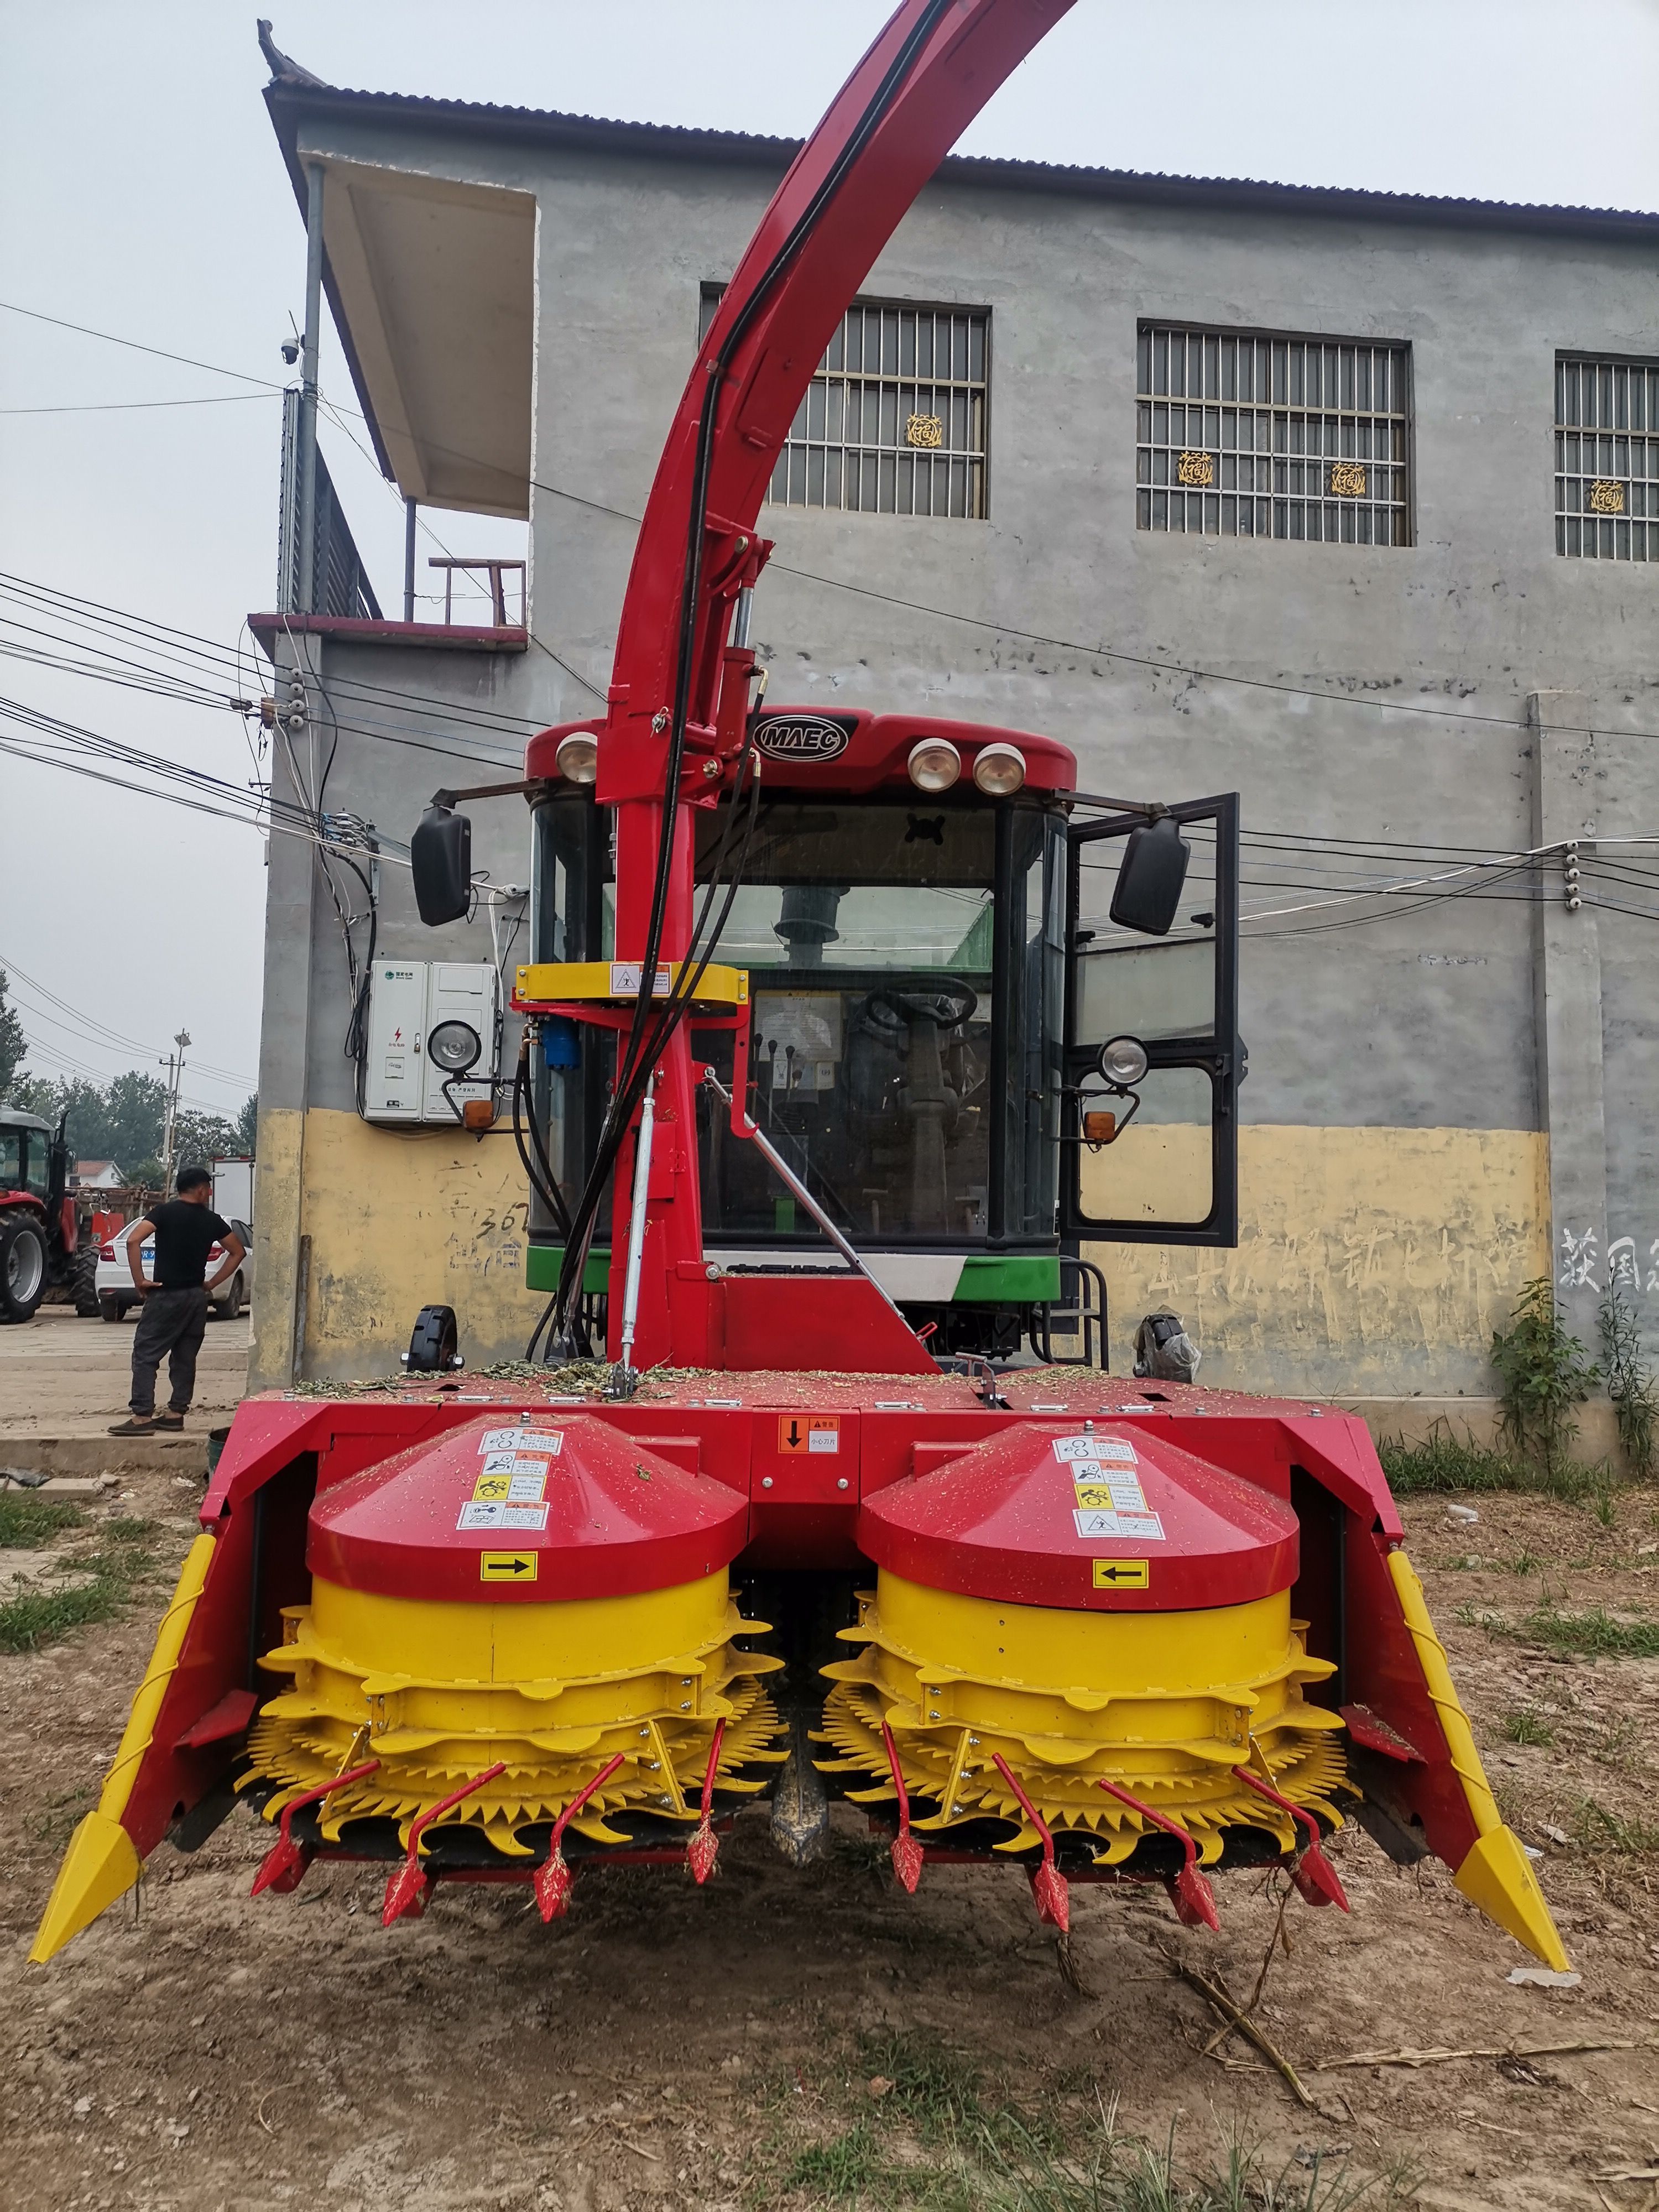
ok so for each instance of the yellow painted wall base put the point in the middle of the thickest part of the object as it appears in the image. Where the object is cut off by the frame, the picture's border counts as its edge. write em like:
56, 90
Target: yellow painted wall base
397, 1220
1372, 1262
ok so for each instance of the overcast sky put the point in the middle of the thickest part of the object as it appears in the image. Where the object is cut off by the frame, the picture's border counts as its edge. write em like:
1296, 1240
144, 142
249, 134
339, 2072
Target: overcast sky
143, 195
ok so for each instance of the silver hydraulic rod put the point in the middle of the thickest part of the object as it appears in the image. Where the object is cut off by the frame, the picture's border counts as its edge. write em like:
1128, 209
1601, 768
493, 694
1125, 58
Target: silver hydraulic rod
797, 1188
636, 1224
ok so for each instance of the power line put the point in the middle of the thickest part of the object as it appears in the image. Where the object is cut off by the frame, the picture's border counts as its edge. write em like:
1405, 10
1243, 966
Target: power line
89, 1022
101, 1081
132, 345
130, 406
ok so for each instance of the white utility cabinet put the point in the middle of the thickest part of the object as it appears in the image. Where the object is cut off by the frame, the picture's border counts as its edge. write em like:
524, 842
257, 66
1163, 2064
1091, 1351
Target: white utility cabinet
407, 1001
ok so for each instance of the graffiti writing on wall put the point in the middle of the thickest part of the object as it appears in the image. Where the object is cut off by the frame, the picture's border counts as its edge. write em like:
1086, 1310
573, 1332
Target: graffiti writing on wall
1585, 1267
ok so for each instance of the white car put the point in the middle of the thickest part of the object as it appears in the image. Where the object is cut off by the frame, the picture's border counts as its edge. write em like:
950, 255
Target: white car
116, 1296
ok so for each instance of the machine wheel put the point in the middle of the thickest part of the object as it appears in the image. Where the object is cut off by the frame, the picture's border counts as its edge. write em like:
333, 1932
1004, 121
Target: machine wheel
229, 1307
84, 1277
22, 1267
434, 1347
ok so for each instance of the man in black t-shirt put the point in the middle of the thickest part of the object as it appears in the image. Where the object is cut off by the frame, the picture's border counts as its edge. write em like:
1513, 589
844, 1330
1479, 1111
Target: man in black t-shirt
174, 1316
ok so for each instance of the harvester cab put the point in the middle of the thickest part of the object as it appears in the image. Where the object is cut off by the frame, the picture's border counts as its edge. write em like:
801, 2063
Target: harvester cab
838, 1028
940, 941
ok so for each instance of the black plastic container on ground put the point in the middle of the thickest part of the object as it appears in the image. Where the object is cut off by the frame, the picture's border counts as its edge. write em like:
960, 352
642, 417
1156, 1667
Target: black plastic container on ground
217, 1439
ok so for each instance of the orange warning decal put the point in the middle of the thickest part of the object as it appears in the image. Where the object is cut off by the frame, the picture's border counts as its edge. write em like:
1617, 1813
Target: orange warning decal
809, 1432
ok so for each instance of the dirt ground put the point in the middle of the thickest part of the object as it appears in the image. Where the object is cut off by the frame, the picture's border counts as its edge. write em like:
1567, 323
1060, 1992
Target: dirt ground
63, 1376
671, 2047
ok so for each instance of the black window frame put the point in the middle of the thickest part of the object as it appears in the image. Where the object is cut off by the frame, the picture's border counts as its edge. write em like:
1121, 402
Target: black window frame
1219, 1055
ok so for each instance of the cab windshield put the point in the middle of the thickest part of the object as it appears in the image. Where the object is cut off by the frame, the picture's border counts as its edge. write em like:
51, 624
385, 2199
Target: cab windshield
870, 933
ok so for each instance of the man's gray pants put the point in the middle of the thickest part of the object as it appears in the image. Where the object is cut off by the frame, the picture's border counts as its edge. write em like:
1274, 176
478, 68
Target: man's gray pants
170, 1326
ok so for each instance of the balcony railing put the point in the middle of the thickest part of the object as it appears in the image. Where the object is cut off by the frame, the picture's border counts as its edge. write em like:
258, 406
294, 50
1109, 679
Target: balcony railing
496, 571
339, 584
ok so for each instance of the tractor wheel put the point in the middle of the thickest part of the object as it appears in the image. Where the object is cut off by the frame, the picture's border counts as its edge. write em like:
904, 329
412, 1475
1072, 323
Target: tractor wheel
22, 1267
84, 1278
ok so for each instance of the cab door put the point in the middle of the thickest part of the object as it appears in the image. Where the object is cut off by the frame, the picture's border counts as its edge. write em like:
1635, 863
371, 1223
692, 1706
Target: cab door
1170, 1172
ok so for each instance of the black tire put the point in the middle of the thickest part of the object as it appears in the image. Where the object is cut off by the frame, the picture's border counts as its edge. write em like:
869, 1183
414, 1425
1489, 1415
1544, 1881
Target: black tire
110, 1309
230, 1308
22, 1267
84, 1277
433, 1346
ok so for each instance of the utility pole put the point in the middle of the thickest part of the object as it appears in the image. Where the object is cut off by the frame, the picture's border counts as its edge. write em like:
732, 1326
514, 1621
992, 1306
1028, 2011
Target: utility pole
175, 1081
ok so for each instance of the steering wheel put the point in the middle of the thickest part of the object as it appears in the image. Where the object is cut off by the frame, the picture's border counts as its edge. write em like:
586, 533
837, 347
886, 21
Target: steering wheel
945, 1002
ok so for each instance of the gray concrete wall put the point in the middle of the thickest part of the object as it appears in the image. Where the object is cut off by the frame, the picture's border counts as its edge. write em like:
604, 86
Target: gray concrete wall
1424, 1022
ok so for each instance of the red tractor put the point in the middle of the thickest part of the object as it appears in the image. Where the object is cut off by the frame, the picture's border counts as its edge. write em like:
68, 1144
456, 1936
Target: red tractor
41, 1245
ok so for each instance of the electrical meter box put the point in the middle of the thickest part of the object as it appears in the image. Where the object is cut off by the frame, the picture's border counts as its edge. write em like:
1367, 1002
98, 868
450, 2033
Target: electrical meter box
409, 1002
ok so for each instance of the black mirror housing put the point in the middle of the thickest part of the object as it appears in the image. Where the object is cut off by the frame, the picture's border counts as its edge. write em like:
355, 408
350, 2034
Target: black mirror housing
1151, 878
440, 860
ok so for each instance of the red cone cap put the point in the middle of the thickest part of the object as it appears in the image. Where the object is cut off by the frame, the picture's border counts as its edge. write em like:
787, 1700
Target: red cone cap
1106, 1518
517, 1506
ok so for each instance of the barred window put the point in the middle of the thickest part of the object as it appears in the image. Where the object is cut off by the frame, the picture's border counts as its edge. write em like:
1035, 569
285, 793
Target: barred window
893, 421
1241, 436
1606, 459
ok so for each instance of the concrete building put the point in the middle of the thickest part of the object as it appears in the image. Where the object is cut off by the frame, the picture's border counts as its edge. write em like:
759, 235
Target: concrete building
1339, 499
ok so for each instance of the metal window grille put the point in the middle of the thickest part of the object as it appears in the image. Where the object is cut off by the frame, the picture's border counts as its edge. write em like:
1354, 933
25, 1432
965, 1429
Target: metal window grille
1606, 459
1240, 436
893, 421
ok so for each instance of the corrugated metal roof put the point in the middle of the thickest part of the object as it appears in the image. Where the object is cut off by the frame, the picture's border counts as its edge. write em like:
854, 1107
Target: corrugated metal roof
300, 92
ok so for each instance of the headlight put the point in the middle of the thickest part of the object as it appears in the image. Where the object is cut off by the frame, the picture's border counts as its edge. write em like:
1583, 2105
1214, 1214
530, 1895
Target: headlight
1123, 1060
1000, 769
934, 764
578, 756
454, 1047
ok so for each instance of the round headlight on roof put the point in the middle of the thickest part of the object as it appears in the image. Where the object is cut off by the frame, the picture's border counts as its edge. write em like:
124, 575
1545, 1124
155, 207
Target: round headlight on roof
578, 756
934, 764
999, 769
1123, 1060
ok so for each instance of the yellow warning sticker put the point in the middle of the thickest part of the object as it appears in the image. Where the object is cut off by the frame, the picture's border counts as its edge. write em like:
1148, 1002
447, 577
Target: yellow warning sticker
506, 1566
1092, 1496
1122, 1574
525, 1485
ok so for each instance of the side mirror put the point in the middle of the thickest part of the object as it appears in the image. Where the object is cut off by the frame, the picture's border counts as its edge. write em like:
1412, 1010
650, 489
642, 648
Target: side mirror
1151, 878
441, 860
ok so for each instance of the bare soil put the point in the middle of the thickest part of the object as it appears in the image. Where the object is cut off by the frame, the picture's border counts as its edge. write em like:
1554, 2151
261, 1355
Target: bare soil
671, 2047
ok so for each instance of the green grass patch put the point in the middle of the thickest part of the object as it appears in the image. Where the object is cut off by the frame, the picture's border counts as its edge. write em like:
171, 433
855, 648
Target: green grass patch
27, 1523
1445, 1462
999, 2159
1111, 2172
1528, 1726
1592, 1635
127, 1530
37, 1617
938, 2089
838, 2171
1632, 1836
